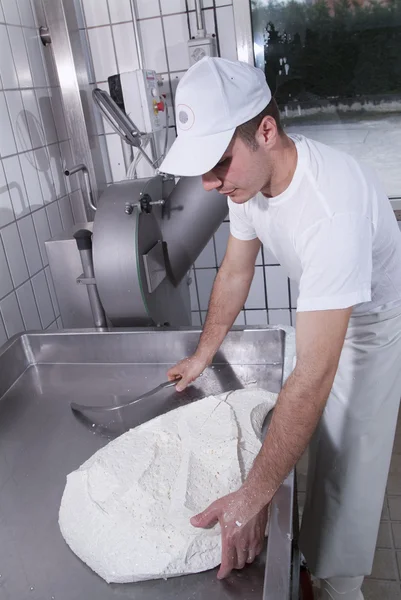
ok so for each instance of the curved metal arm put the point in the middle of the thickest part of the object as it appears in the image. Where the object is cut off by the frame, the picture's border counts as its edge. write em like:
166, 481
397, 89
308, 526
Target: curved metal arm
117, 118
120, 122
88, 186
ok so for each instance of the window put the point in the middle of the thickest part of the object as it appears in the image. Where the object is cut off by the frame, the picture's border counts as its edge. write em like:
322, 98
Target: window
335, 69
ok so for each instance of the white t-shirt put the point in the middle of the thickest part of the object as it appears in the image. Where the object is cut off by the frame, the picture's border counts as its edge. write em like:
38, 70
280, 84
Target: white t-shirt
333, 230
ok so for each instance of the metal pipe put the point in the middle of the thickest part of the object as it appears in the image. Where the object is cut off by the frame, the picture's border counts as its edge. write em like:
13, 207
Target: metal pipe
88, 187
199, 17
138, 39
84, 242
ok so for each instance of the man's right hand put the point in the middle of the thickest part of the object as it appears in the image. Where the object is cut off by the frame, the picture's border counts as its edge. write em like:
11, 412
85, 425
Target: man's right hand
188, 370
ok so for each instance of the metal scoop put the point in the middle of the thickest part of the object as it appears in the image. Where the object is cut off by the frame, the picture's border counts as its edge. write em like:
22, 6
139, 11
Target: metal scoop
82, 408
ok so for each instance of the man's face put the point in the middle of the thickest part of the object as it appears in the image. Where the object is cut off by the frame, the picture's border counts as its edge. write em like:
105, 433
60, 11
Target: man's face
241, 173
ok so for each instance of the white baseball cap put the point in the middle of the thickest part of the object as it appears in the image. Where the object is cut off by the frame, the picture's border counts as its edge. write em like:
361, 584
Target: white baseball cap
213, 98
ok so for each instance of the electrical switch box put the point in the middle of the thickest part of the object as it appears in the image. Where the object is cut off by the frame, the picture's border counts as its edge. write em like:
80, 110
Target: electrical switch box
199, 47
137, 93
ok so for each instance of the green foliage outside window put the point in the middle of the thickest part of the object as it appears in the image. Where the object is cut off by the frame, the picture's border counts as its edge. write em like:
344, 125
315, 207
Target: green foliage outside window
342, 50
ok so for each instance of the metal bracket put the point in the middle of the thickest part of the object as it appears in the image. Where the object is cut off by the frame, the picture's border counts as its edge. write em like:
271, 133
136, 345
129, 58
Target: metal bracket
145, 205
44, 35
88, 185
82, 280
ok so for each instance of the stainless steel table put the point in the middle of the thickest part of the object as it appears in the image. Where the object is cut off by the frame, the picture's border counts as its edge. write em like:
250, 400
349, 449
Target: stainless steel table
41, 441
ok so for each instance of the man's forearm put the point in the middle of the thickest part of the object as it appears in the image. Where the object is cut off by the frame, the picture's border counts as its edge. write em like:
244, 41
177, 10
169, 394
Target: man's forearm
297, 413
228, 296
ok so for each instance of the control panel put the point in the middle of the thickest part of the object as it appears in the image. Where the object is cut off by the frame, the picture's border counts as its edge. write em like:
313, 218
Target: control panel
137, 93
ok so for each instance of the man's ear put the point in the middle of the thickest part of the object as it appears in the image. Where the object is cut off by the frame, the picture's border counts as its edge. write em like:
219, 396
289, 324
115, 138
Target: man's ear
267, 131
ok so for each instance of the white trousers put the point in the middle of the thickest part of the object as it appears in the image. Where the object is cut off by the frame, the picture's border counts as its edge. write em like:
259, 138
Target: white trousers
350, 452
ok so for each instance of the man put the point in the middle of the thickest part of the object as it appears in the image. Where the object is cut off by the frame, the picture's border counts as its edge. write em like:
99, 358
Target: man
329, 223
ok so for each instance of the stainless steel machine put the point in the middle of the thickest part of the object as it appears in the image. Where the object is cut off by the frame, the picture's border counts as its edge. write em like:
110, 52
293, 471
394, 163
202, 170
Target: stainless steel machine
130, 266
147, 233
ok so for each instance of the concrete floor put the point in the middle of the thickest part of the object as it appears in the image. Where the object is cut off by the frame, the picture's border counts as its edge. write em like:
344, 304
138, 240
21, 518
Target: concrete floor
385, 581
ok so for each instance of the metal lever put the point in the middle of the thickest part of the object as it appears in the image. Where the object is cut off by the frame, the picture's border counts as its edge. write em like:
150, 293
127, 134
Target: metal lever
88, 186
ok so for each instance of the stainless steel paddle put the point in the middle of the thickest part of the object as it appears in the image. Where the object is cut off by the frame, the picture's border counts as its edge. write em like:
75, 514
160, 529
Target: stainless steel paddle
81, 408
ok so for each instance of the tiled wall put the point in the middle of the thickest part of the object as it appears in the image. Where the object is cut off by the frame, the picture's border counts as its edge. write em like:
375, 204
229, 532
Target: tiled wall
36, 201
164, 27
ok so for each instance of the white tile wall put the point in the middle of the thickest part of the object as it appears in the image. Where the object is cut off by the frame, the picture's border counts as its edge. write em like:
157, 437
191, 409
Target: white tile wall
42, 165
114, 147
77, 206
18, 120
43, 299
172, 6
205, 279
26, 13
32, 115
209, 20
15, 254
269, 257
52, 291
3, 334
58, 114
193, 292
256, 297
67, 218
207, 257
294, 289
57, 170
42, 229
43, 99
11, 315
147, 8
221, 239
6, 284
120, 11
7, 142
30, 245
103, 55
31, 178
196, 320
11, 13
54, 218
225, 28
126, 50
256, 317
279, 317
240, 320
16, 186
35, 56
29, 310
6, 209
153, 44
277, 287
20, 55
7, 67
96, 12
177, 36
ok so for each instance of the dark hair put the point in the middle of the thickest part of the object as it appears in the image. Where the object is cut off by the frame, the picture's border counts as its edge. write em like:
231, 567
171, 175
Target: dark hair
247, 131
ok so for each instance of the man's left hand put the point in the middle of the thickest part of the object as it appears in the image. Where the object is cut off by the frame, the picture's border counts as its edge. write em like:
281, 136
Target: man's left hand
243, 527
